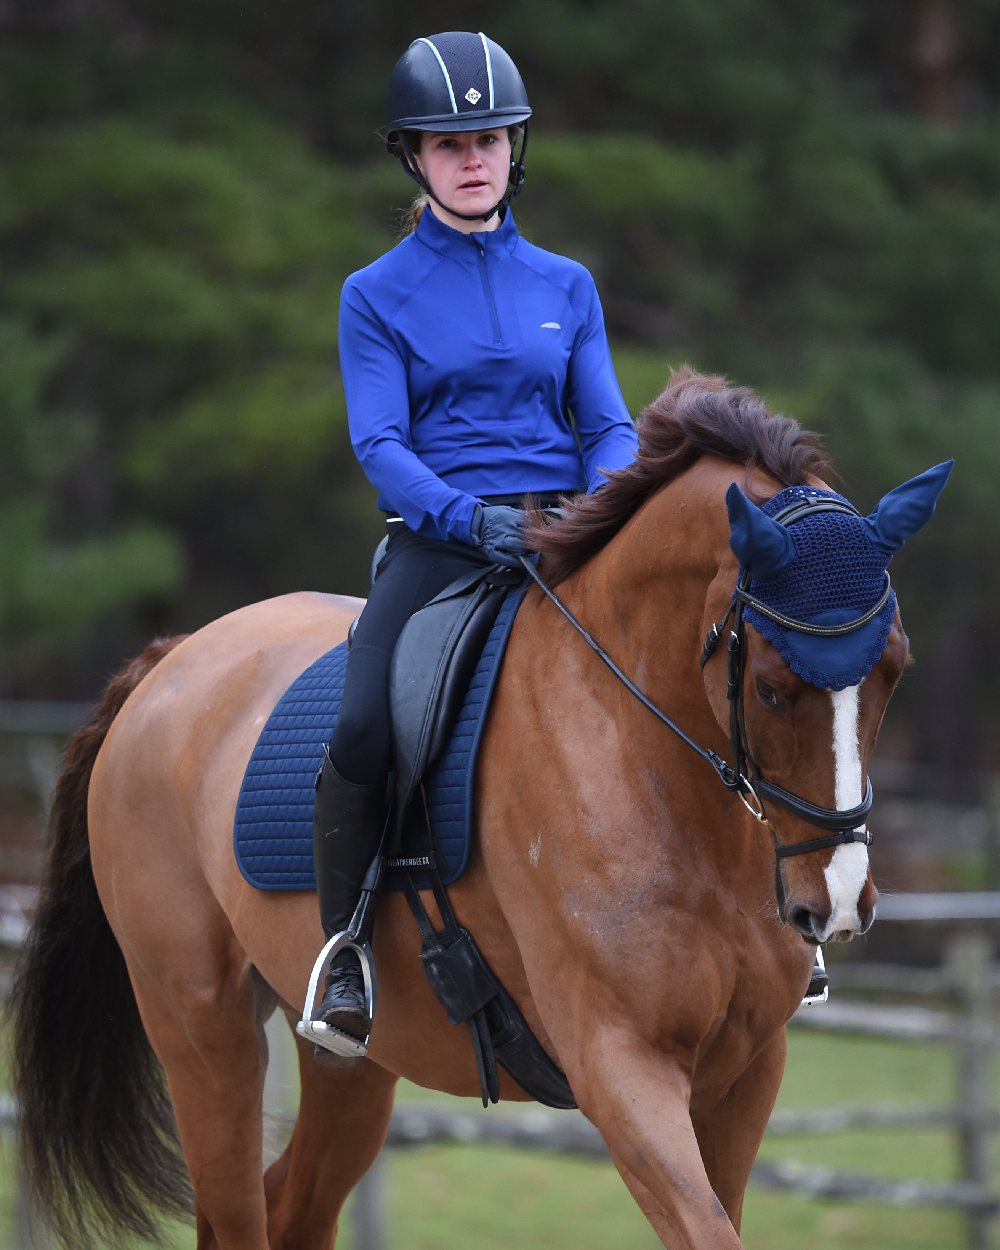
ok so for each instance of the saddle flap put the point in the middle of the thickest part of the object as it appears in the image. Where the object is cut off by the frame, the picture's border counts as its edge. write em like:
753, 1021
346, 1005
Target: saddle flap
432, 663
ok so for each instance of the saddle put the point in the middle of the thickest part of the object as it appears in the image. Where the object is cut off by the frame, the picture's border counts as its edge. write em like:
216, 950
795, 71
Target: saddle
433, 661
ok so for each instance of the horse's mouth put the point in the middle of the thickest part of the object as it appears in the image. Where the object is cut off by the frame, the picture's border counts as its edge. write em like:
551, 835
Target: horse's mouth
842, 935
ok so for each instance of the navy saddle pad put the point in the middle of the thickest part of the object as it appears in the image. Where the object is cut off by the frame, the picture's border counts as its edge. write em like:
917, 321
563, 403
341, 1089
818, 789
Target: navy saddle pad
273, 823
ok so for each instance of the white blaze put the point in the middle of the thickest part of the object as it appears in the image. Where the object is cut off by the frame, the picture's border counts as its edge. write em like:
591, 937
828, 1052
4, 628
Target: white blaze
848, 869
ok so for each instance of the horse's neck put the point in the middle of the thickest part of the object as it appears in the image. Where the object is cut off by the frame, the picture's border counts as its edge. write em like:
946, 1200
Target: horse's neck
645, 595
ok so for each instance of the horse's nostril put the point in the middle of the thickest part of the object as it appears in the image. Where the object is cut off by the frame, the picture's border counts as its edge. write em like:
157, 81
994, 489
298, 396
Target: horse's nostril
804, 921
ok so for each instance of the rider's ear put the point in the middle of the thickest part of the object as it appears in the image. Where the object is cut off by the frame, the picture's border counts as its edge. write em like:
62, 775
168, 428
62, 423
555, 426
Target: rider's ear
760, 544
907, 509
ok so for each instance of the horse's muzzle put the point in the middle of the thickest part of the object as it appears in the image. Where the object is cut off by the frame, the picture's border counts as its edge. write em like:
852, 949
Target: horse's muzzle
817, 926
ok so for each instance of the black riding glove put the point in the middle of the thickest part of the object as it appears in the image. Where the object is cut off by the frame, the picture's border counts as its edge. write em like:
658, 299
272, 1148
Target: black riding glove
497, 530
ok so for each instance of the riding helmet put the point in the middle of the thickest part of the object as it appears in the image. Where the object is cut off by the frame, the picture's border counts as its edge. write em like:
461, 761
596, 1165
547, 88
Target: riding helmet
454, 81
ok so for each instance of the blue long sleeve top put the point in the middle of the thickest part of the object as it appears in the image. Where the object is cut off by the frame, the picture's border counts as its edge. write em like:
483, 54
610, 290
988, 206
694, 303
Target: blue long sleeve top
477, 365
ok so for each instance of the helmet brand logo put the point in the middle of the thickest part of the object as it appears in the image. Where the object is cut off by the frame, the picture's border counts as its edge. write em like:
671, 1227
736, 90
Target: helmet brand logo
473, 96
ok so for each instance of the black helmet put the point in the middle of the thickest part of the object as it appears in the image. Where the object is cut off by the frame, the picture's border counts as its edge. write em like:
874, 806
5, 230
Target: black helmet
455, 81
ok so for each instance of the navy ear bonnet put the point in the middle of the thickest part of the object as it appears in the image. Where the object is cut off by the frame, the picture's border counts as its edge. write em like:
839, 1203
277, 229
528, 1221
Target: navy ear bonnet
827, 568
835, 575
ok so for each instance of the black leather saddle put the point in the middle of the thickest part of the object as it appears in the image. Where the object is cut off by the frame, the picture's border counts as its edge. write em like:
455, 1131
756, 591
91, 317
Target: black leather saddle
434, 659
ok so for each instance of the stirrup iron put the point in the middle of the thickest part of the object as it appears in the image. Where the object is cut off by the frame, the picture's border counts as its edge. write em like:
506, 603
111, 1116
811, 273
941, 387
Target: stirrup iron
814, 1000
318, 1031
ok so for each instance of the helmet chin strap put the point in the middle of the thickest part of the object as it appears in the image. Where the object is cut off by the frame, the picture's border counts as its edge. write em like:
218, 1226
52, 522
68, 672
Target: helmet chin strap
409, 162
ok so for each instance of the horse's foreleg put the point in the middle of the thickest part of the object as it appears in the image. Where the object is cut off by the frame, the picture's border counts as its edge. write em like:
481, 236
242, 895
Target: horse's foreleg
730, 1129
644, 1200
638, 1098
342, 1122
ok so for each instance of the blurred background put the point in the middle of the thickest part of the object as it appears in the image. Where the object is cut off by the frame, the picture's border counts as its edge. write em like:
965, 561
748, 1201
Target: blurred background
802, 197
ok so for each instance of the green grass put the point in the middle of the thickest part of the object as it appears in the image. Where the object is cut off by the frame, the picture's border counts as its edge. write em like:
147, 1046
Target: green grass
446, 1198
484, 1198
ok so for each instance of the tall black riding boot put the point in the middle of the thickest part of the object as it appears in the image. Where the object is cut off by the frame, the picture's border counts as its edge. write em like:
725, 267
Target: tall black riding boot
348, 822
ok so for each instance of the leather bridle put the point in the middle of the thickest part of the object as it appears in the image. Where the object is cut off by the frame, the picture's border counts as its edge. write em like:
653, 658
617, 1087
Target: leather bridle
743, 776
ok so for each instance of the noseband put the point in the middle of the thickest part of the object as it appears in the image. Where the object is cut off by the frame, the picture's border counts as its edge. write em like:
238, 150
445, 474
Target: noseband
743, 776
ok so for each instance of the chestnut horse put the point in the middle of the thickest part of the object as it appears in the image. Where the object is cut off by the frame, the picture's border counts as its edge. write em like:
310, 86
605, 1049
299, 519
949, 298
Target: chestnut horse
624, 896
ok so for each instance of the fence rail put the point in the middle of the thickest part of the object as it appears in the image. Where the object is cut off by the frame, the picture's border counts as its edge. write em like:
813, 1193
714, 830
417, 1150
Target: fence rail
563, 1134
968, 979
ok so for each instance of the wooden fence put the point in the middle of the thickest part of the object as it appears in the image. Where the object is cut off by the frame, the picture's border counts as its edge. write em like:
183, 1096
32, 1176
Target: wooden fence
968, 979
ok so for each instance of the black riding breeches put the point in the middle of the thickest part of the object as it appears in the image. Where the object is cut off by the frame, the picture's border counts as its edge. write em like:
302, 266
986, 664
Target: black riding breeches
412, 571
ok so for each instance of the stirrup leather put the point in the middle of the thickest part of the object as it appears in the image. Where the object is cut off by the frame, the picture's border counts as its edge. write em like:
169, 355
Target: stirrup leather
318, 1031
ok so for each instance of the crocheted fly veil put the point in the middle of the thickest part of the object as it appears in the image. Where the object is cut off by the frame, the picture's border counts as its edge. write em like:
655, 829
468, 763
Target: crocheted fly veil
824, 568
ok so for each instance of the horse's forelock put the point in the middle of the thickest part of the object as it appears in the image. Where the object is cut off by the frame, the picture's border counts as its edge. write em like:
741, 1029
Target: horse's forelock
695, 415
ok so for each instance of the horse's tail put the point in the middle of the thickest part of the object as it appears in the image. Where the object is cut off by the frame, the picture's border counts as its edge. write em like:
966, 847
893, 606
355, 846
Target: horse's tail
97, 1133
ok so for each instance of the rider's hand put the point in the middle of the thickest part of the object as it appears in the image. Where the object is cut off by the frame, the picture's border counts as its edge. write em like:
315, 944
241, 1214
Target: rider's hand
497, 530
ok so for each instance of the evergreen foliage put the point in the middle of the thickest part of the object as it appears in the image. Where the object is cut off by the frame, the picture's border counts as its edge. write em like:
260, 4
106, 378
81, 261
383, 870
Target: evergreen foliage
801, 196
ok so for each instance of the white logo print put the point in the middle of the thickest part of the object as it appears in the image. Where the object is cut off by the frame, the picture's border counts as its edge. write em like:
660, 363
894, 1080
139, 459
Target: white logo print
473, 96
550, 325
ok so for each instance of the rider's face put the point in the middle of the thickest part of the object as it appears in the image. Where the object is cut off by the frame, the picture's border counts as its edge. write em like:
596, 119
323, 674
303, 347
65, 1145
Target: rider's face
468, 172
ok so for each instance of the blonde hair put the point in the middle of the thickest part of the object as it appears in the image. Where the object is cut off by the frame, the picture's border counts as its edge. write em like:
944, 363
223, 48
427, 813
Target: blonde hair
416, 210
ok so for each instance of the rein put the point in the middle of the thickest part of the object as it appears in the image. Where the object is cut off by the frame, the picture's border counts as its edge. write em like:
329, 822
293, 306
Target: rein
752, 789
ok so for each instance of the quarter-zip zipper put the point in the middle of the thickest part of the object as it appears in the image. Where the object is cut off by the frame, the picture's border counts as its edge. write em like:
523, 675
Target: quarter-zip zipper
488, 291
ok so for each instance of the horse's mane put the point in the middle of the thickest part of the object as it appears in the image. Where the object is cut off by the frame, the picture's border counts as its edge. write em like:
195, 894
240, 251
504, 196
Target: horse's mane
696, 415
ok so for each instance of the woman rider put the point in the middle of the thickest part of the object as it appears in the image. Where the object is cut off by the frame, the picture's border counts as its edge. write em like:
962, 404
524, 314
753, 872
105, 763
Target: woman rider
476, 370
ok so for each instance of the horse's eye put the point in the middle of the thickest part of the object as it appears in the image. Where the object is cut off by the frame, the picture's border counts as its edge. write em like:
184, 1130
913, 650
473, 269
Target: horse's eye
769, 696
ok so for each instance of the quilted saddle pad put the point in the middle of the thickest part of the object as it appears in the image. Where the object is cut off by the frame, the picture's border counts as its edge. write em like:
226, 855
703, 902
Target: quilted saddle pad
273, 822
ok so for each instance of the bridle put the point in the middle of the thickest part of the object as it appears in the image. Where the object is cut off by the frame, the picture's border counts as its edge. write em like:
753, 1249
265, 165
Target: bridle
743, 776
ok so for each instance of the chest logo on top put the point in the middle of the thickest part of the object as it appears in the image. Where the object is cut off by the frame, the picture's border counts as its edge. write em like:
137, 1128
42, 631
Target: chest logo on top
550, 325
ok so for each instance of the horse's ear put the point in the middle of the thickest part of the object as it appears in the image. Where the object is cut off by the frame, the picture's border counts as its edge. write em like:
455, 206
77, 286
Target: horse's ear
760, 544
907, 509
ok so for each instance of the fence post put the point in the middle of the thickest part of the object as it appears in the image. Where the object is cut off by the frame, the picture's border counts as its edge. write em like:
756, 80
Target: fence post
368, 1209
991, 806
970, 958
29, 1228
